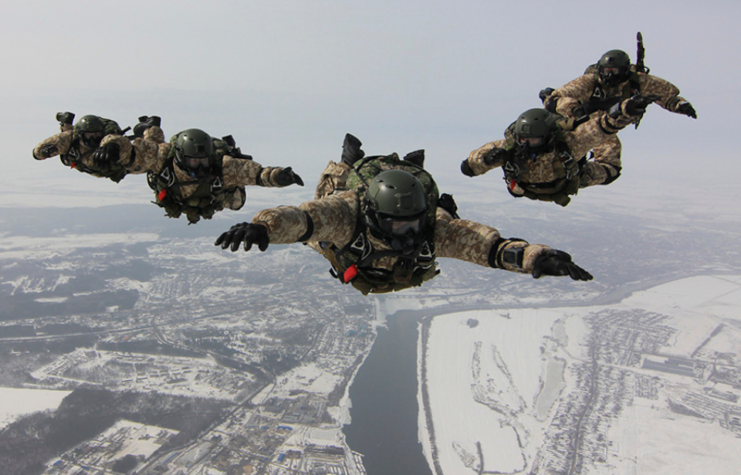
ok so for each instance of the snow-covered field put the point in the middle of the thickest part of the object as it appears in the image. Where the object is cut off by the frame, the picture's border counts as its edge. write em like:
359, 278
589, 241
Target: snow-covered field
16, 402
491, 375
20, 247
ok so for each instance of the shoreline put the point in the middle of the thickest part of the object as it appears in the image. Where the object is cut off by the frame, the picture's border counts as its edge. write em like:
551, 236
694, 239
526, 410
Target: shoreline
425, 319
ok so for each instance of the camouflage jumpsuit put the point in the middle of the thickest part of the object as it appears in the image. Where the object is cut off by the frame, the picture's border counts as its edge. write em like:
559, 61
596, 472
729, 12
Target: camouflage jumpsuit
74, 154
567, 99
333, 218
547, 175
151, 154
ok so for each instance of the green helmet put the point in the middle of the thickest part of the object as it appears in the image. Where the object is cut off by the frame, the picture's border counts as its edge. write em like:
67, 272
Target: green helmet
535, 130
613, 67
396, 208
194, 153
91, 130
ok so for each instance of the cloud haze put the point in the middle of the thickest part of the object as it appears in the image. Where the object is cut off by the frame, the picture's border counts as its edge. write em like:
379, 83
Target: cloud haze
289, 78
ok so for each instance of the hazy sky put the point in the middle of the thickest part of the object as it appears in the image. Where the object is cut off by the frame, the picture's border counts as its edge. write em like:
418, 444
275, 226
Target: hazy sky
289, 78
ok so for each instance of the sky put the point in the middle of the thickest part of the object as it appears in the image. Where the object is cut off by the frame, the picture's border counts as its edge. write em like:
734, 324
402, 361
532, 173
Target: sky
289, 78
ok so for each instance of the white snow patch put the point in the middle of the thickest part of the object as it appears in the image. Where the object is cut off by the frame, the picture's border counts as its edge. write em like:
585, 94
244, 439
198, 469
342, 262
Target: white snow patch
17, 402
20, 247
486, 374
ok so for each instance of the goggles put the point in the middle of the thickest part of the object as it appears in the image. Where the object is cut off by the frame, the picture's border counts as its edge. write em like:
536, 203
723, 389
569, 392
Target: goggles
401, 226
532, 141
194, 163
90, 138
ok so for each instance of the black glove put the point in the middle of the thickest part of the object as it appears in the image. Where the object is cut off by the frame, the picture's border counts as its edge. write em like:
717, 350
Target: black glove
558, 263
247, 233
48, 150
687, 109
466, 168
351, 151
106, 155
146, 122
65, 118
545, 93
637, 104
494, 155
287, 177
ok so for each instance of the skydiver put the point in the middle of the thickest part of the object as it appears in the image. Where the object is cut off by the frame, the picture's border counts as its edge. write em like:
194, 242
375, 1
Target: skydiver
76, 144
381, 223
612, 79
543, 154
194, 174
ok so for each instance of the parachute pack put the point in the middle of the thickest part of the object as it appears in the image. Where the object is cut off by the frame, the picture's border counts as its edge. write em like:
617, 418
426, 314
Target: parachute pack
352, 263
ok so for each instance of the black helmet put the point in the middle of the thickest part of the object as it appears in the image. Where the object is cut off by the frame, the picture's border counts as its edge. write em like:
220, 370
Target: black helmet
91, 130
535, 131
194, 153
396, 209
613, 67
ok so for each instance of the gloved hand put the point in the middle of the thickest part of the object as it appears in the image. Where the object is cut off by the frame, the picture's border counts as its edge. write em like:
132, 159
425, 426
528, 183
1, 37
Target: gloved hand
106, 155
554, 262
544, 93
146, 122
687, 109
494, 155
48, 150
466, 168
65, 117
287, 177
247, 233
637, 104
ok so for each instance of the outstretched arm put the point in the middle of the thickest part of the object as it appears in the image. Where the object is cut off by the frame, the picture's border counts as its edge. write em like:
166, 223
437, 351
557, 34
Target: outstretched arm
668, 93
243, 172
481, 244
54, 145
330, 219
487, 157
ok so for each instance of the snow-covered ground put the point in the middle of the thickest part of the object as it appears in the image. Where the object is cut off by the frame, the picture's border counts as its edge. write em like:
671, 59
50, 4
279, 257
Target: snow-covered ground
15, 402
501, 372
20, 247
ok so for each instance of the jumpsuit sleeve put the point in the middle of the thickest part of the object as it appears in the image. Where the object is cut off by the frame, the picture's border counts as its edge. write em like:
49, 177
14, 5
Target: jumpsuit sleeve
668, 92
572, 94
143, 154
599, 127
331, 219
244, 172
480, 244
62, 141
477, 159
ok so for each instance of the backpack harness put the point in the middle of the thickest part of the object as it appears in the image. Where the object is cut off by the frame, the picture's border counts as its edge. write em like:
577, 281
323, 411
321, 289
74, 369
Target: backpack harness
600, 100
515, 166
208, 197
73, 158
353, 262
